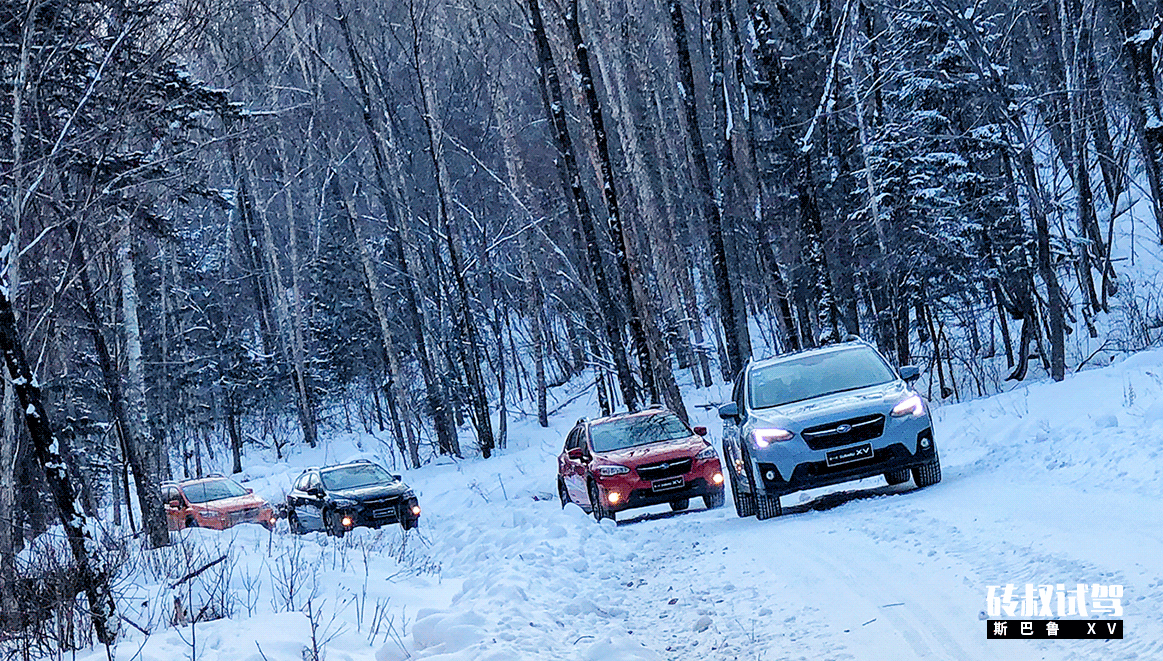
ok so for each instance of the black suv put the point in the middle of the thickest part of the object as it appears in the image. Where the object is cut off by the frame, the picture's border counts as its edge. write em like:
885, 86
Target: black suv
335, 499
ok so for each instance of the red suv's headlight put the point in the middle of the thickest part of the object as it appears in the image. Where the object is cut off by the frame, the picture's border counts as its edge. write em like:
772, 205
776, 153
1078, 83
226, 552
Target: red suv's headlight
610, 471
707, 453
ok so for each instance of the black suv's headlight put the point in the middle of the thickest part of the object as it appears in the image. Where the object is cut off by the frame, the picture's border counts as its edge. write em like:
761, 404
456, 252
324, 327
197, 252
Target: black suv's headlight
345, 503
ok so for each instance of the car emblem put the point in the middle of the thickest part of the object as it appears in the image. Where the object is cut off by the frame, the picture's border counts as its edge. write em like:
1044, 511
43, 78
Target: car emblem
843, 429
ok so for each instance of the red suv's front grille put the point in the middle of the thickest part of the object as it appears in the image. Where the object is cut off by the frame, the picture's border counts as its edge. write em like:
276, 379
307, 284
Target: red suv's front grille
664, 469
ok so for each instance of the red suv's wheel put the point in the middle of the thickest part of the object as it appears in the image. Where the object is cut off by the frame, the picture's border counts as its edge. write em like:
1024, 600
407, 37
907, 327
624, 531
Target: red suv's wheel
599, 510
562, 494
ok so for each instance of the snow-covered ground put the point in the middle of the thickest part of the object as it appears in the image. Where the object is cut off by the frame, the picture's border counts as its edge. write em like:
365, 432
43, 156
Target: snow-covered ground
1045, 484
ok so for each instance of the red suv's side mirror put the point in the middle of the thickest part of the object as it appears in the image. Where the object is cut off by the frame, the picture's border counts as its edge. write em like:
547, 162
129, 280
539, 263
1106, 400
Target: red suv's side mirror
701, 431
576, 454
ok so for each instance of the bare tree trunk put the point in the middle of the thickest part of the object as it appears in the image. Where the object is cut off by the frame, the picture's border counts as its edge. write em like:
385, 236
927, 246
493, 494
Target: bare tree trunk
9, 516
468, 350
144, 458
249, 245
303, 400
1137, 56
555, 109
710, 201
437, 401
91, 572
380, 307
11, 441
233, 431
653, 361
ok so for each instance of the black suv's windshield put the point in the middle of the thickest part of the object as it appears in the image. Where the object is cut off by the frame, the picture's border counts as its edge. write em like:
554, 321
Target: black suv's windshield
815, 375
636, 430
355, 476
204, 492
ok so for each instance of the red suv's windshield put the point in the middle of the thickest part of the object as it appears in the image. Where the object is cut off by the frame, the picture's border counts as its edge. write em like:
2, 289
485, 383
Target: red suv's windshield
636, 430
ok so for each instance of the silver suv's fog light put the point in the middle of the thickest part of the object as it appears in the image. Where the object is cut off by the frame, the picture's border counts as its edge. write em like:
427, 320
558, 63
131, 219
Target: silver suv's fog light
925, 442
769, 475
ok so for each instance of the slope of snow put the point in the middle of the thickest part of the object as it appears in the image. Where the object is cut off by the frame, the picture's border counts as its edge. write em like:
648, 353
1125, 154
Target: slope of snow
1045, 484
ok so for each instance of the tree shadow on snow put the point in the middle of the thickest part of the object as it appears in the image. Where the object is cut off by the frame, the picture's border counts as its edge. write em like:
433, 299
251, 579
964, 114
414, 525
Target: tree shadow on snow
835, 499
642, 516
821, 503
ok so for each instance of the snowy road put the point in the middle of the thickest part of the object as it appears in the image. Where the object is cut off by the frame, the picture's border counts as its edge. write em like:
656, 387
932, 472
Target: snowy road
1055, 484
1047, 484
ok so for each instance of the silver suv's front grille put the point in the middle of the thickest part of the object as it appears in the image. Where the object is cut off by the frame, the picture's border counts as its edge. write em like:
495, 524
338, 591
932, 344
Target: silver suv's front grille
844, 432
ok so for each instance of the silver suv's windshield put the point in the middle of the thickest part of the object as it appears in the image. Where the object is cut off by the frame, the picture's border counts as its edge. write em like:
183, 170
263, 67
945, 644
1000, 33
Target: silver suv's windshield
815, 375
354, 476
636, 430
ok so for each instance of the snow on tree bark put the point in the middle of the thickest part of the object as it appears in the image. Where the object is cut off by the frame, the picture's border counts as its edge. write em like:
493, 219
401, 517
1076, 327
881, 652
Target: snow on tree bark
555, 108
653, 360
80, 532
145, 456
738, 349
437, 402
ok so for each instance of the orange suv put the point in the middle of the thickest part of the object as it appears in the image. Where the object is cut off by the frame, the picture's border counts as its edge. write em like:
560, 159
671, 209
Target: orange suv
637, 459
213, 502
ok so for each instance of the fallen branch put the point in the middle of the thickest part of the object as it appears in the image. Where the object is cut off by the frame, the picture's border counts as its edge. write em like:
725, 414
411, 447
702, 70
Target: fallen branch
196, 572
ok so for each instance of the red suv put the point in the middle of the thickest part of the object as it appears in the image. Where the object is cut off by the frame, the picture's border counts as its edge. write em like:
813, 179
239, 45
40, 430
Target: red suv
214, 501
633, 460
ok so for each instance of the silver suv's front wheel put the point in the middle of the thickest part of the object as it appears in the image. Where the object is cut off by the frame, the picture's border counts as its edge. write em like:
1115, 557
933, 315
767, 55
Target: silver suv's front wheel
928, 473
744, 502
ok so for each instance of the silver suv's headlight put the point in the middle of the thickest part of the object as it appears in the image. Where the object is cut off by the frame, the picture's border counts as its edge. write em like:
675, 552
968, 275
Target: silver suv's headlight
609, 471
912, 405
765, 437
707, 453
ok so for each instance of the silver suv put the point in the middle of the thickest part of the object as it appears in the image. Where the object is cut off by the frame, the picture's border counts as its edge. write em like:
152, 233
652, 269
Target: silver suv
820, 417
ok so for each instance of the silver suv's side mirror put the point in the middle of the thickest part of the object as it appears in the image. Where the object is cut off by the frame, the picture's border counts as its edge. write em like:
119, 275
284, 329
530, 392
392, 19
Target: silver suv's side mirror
910, 373
729, 411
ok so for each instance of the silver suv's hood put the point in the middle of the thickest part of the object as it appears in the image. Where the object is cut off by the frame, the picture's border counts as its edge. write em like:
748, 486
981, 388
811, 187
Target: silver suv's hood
797, 416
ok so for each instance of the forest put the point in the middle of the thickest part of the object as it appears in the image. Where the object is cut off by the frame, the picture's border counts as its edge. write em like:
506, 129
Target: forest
254, 222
